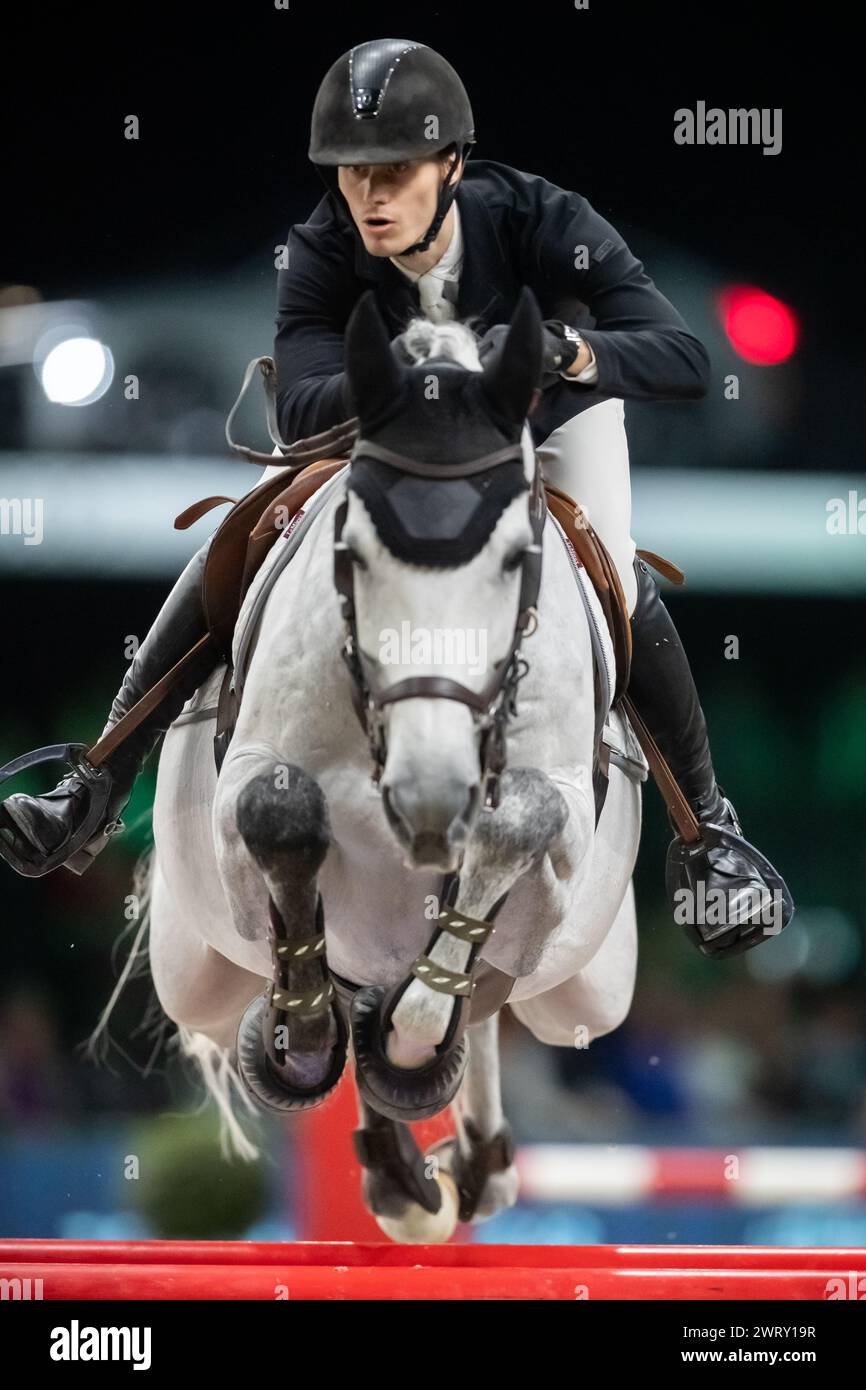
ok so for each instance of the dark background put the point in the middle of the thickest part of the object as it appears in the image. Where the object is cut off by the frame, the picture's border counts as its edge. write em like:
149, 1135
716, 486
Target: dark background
583, 97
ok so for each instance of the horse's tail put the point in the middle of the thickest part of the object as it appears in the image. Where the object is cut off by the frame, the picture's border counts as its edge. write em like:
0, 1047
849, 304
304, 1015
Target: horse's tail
222, 1082
136, 963
215, 1064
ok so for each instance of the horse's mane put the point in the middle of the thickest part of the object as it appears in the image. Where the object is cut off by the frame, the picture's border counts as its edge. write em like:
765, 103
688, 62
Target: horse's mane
424, 340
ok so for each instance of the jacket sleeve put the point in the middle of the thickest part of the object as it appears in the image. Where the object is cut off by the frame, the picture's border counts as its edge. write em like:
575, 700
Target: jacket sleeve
313, 307
644, 349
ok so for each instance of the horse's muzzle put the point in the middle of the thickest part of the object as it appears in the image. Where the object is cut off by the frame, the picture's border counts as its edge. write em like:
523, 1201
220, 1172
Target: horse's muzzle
432, 822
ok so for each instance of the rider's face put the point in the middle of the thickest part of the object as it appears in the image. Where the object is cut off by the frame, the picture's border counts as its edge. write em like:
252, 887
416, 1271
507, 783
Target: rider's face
392, 204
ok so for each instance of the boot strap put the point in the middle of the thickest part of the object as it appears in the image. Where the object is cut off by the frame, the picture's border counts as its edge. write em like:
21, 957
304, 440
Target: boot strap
437, 977
471, 929
314, 1001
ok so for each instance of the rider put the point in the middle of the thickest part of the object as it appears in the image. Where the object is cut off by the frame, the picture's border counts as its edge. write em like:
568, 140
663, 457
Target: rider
392, 129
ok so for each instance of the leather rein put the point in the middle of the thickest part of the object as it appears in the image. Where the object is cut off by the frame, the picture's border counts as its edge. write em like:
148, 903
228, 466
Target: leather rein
492, 705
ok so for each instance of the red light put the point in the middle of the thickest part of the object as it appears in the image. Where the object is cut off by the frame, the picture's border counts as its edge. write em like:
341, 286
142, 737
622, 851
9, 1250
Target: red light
761, 329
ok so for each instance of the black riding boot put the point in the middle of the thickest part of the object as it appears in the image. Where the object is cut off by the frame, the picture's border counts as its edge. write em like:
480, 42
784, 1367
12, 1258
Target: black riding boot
32, 828
754, 901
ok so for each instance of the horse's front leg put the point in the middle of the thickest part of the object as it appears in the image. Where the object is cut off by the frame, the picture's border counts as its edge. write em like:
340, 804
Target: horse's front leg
409, 1043
292, 1041
503, 846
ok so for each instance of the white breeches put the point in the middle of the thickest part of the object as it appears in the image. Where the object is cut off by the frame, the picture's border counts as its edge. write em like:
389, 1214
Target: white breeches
588, 458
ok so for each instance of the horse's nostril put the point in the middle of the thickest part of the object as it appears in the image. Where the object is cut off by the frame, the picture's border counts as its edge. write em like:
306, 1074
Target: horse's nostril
431, 850
472, 800
461, 823
443, 809
391, 810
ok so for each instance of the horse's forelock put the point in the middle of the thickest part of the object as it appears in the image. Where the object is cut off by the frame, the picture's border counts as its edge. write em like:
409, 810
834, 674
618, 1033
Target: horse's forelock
455, 342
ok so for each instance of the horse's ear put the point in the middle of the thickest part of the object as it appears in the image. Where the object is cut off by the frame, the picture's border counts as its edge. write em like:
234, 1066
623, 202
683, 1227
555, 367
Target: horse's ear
374, 376
514, 374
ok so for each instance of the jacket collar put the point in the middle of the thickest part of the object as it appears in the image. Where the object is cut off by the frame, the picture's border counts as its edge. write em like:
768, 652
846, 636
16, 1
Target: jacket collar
483, 256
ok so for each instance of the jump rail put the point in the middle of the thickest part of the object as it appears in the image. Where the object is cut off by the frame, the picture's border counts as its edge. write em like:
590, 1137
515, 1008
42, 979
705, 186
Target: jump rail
617, 1174
108, 1270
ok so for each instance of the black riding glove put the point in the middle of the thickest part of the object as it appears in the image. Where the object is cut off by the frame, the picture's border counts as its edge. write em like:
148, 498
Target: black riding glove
561, 346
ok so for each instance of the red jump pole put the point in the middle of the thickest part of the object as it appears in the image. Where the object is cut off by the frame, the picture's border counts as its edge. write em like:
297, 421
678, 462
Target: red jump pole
222, 1270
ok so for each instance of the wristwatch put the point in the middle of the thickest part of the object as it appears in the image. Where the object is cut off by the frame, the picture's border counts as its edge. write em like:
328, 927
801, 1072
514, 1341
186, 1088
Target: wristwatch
572, 336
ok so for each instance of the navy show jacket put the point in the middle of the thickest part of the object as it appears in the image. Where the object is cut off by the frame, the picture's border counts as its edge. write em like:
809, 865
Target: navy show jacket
518, 229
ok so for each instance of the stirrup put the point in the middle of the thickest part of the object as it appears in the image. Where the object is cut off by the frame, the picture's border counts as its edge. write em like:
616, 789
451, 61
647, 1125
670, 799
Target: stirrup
79, 851
679, 874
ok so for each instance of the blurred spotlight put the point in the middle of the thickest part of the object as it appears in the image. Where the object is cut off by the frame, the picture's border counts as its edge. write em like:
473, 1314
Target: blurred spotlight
821, 945
77, 371
834, 944
781, 957
761, 329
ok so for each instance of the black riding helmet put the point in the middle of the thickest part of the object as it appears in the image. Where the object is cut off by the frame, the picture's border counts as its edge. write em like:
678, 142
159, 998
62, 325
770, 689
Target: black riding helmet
386, 101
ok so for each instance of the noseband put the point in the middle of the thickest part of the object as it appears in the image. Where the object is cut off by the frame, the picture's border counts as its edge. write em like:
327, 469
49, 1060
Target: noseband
491, 706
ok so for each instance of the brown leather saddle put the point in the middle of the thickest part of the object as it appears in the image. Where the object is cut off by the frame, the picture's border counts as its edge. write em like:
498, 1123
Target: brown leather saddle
244, 538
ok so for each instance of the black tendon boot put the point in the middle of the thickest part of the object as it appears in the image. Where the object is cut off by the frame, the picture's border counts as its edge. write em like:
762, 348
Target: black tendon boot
722, 890
35, 829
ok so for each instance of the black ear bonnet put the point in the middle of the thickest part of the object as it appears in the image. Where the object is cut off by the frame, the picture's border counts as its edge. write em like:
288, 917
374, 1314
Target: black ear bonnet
441, 522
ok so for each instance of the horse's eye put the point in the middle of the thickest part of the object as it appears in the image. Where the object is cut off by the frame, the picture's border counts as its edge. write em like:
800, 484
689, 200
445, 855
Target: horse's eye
357, 559
512, 561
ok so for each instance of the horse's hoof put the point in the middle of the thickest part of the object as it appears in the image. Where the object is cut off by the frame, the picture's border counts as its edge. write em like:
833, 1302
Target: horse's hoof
411, 1204
260, 1078
488, 1166
416, 1226
400, 1093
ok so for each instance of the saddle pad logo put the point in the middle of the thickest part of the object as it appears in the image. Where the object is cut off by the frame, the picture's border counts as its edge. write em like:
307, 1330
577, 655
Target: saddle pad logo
293, 523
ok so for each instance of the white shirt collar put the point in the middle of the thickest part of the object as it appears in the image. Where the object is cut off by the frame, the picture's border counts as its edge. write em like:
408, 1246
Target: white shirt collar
448, 266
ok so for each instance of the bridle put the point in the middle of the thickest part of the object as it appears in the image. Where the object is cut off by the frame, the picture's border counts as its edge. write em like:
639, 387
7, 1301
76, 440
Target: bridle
493, 705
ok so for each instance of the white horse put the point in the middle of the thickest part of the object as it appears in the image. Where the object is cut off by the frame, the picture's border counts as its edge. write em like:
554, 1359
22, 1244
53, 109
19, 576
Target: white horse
293, 836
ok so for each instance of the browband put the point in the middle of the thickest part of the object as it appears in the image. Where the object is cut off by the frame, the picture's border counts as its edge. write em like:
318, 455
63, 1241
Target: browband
436, 470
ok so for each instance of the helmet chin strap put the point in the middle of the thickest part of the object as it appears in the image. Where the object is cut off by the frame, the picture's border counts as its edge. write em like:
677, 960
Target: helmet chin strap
446, 198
